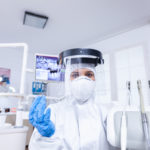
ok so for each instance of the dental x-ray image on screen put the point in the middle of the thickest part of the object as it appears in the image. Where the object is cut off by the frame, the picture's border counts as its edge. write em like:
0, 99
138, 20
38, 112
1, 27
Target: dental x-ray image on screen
47, 68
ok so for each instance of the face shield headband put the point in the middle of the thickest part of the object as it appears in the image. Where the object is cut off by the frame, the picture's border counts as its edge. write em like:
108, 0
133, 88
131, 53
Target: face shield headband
78, 55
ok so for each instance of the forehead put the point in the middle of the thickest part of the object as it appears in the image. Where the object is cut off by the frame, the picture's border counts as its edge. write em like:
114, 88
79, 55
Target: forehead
82, 70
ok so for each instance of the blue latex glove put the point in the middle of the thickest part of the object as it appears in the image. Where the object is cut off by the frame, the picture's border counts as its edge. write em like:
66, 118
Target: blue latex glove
41, 119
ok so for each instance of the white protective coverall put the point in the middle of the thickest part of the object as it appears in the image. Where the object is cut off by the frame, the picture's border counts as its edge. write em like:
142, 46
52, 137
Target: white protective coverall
78, 127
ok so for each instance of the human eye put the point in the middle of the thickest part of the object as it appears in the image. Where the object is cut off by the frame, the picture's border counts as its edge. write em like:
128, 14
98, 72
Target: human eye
90, 74
75, 75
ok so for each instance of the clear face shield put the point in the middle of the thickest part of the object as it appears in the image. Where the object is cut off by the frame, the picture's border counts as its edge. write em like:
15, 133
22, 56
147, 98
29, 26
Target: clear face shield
83, 74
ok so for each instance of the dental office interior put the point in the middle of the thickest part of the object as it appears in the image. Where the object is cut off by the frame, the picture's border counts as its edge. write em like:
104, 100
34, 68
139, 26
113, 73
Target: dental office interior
32, 31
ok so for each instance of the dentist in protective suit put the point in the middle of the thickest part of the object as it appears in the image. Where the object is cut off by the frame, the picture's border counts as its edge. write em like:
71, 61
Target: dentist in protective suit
77, 122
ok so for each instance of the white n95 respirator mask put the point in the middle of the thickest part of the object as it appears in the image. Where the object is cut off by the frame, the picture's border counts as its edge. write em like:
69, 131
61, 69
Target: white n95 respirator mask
82, 88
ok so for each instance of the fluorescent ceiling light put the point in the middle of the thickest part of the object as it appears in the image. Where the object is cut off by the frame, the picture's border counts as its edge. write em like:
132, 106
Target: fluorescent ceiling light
35, 20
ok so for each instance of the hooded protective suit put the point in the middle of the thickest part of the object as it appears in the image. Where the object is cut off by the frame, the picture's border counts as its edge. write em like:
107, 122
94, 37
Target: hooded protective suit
79, 122
78, 127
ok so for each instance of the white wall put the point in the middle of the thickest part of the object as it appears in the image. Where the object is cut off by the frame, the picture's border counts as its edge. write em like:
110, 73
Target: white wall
139, 36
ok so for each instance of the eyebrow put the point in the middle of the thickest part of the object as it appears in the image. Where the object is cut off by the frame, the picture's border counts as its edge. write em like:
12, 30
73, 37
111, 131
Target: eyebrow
75, 72
90, 72
85, 72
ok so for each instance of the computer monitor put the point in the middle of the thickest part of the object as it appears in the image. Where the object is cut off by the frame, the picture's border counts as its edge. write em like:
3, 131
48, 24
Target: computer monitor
47, 69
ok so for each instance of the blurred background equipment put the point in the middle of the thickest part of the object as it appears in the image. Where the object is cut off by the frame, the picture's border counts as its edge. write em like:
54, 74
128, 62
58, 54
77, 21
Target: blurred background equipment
12, 129
39, 88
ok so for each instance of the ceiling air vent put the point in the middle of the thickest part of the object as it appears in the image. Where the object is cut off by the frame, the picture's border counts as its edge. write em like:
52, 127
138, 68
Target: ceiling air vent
35, 20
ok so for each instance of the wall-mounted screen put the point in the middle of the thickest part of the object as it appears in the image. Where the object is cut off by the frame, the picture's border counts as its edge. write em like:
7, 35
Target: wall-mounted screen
47, 69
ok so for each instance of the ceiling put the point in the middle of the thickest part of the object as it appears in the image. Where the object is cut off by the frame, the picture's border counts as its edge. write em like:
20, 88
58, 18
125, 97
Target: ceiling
72, 23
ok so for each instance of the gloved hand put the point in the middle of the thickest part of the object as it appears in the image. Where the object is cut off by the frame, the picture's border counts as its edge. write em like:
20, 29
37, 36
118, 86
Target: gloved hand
41, 119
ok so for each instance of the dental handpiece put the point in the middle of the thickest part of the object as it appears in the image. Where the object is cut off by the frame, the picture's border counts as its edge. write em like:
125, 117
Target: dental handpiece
123, 131
143, 115
124, 120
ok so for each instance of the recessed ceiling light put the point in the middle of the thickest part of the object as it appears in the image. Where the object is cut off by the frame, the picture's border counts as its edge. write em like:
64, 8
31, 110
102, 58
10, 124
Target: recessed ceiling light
35, 20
